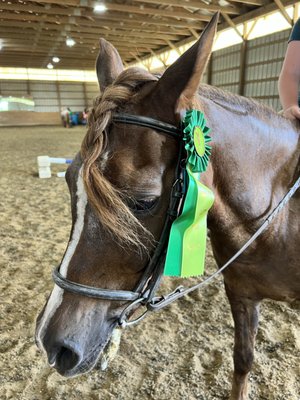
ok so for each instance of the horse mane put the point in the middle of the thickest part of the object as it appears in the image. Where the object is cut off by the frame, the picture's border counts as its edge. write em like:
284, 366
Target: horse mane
109, 202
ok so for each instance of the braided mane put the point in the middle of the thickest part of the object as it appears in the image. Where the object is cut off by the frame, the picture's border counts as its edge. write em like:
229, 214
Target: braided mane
107, 200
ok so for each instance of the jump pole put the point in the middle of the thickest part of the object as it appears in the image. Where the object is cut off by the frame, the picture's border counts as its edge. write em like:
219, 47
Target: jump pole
44, 165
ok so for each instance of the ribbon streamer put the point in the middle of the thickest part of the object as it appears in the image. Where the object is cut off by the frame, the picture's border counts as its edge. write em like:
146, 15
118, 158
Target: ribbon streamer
187, 241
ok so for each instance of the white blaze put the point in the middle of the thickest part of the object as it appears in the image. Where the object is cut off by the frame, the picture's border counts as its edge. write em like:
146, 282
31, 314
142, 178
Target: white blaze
57, 293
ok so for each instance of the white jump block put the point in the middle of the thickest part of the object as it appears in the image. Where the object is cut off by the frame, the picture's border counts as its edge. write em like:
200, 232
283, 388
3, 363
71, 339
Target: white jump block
44, 165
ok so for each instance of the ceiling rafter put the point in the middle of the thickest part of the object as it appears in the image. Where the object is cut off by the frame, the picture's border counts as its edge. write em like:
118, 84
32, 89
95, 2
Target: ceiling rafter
158, 12
232, 9
232, 24
79, 20
194, 33
95, 29
161, 59
250, 15
257, 12
137, 28
283, 12
159, 40
110, 7
172, 46
252, 2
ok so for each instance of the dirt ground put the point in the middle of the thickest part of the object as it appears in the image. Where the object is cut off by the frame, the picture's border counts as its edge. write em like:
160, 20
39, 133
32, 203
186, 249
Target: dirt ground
183, 352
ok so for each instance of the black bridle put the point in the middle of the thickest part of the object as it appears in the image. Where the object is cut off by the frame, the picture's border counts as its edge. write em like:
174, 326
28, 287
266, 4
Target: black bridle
144, 293
149, 282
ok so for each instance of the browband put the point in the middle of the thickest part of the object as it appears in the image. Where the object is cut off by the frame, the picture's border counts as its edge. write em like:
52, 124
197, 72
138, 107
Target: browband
148, 122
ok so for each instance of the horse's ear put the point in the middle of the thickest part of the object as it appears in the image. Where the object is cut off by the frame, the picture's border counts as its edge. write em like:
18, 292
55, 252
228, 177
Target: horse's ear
108, 65
181, 79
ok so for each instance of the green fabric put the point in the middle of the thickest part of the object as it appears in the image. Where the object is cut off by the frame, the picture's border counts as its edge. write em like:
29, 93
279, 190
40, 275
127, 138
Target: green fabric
187, 242
194, 241
175, 246
196, 138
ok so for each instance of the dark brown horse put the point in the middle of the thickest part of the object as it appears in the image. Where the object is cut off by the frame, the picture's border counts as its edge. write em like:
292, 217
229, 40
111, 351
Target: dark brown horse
120, 187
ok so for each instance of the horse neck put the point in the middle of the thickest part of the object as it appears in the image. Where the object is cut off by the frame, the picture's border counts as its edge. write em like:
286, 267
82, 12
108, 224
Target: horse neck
255, 153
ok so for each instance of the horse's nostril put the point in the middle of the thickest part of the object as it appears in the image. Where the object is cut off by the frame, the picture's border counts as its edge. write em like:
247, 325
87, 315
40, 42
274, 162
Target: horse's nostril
66, 359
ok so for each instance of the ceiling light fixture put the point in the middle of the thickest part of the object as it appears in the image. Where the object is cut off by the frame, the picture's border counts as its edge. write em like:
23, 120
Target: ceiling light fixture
50, 66
56, 59
70, 42
100, 8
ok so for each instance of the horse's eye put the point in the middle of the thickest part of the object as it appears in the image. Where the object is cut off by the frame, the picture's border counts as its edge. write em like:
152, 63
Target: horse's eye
142, 204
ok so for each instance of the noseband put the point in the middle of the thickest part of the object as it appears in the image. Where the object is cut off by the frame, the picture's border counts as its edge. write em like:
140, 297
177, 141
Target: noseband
146, 288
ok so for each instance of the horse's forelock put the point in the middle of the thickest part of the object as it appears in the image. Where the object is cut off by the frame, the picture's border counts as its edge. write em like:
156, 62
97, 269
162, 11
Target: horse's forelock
107, 200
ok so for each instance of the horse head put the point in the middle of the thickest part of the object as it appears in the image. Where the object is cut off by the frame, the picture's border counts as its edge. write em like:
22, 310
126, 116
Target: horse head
120, 186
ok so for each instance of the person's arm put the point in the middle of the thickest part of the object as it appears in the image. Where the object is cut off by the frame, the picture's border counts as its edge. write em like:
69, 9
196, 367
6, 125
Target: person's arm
289, 80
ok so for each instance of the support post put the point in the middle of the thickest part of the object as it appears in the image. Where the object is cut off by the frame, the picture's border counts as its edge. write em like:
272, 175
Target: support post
210, 70
242, 71
28, 87
85, 95
58, 95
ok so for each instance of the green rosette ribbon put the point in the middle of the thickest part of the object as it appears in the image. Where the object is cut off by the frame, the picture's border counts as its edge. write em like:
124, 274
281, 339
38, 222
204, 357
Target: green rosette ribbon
187, 241
195, 136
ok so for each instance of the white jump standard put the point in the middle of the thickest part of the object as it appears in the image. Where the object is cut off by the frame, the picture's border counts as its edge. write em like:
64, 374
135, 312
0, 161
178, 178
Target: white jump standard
44, 165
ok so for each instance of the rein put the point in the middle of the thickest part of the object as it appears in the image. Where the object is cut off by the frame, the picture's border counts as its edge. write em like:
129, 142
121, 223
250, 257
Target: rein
157, 303
144, 293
